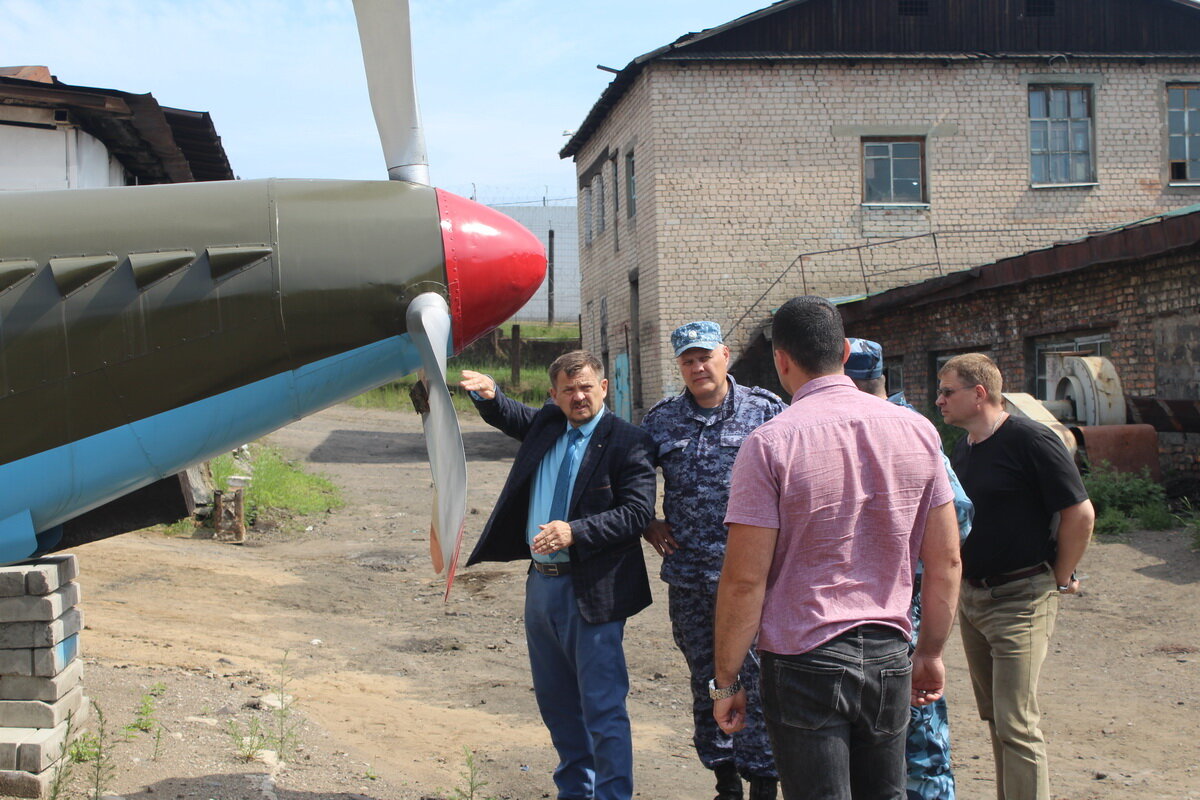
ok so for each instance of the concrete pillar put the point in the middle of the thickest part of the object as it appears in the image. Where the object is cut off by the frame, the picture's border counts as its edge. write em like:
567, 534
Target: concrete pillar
41, 675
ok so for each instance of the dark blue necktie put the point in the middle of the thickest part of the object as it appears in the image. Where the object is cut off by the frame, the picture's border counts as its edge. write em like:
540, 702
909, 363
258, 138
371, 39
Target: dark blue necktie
562, 484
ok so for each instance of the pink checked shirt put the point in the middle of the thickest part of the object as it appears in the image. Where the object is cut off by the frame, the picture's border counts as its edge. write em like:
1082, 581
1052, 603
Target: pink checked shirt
848, 479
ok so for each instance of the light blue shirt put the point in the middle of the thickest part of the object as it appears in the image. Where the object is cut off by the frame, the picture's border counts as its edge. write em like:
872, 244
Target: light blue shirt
542, 494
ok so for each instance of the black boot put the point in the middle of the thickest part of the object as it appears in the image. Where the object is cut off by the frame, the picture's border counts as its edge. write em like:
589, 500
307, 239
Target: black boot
763, 788
729, 783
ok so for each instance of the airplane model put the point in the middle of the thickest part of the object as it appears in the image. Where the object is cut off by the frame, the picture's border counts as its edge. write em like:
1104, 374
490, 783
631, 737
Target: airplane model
146, 329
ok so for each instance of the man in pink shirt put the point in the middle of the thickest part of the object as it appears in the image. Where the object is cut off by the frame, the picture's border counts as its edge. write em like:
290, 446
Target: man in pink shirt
832, 503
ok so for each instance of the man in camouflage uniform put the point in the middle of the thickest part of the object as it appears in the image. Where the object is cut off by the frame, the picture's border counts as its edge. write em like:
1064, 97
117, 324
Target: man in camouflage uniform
697, 434
927, 748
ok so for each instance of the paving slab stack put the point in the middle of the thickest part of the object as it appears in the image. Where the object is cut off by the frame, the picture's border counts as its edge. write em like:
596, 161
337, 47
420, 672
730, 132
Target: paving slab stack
40, 671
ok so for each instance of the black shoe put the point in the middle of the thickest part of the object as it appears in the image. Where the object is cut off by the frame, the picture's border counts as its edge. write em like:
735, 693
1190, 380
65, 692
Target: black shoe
763, 788
729, 783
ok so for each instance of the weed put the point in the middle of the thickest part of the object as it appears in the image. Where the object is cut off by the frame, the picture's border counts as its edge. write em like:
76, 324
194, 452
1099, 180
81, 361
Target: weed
144, 720
85, 748
65, 767
158, 732
474, 783
1154, 517
101, 768
284, 735
1112, 522
1122, 491
248, 742
280, 735
371, 774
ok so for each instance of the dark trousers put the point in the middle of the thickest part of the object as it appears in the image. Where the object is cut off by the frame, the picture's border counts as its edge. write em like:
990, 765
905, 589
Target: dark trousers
838, 714
692, 609
580, 681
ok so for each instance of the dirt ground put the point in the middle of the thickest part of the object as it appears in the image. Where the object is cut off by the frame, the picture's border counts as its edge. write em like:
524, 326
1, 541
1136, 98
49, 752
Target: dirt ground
392, 685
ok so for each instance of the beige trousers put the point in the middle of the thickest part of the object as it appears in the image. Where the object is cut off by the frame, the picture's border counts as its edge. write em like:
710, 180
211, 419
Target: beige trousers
1006, 633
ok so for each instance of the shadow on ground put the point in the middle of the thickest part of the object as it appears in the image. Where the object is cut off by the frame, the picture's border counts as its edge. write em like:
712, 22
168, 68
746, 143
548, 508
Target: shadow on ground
378, 447
1177, 563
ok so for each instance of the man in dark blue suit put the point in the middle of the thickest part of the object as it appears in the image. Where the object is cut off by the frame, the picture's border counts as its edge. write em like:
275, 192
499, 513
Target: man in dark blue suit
580, 492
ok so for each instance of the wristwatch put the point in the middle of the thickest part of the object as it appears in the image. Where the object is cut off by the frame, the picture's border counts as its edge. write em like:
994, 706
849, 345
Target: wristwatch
1067, 586
723, 694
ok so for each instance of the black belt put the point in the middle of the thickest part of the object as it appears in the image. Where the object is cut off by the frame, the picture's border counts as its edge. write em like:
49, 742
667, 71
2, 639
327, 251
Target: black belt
1008, 577
552, 568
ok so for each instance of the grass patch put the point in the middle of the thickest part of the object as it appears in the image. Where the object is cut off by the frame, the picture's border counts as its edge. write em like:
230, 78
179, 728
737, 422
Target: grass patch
540, 330
1121, 490
279, 488
1112, 522
533, 389
1123, 500
1154, 517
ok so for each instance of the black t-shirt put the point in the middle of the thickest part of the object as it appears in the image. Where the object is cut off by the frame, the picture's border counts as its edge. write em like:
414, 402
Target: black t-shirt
1018, 478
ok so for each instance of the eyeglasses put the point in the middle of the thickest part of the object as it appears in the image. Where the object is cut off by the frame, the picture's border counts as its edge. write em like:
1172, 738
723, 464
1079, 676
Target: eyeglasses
946, 391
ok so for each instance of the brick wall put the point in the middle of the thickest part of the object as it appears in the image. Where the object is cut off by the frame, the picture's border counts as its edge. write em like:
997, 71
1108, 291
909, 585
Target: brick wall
1138, 304
743, 167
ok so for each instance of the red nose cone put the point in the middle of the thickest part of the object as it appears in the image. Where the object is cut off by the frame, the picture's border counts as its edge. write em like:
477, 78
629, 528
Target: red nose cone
493, 266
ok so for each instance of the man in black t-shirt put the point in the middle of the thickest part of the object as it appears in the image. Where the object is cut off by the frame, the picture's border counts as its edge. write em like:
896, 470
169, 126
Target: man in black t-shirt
1019, 476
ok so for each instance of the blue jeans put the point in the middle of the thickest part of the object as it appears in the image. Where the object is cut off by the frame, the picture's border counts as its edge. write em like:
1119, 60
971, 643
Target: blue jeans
838, 714
580, 682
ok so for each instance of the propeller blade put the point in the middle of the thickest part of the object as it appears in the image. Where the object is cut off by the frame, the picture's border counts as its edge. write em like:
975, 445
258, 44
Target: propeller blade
386, 40
429, 327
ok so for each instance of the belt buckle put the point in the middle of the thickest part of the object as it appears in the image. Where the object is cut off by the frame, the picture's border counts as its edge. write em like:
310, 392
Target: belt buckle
549, 568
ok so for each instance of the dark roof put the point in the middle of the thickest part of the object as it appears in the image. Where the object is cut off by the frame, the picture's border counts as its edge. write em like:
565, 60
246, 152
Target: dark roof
862, 30
155, 144
1145, 238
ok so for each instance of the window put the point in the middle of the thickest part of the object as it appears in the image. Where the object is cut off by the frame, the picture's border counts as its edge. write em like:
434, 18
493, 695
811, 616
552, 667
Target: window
616, 191
1099, 344
894, 170
598, 208
1183, 132
630, 185
587, 214
1060, 135
913, 8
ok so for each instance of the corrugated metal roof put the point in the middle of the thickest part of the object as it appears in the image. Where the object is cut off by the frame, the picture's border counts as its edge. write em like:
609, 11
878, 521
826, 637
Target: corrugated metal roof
155, 144
1144, 238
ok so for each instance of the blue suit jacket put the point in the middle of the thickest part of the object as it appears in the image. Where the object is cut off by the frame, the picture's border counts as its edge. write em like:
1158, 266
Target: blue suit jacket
611, 503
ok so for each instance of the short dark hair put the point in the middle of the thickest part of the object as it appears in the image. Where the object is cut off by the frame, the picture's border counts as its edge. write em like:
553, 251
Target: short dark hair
875, 386
809, 329
574, 361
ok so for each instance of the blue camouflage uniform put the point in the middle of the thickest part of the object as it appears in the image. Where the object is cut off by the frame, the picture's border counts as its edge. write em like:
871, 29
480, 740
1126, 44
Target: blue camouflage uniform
927, 749
696, 453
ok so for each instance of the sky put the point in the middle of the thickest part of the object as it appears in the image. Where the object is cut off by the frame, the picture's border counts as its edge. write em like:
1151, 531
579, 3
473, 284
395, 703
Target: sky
499, 81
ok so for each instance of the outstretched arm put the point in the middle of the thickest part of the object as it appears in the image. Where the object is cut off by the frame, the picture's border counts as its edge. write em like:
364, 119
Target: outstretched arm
501, 412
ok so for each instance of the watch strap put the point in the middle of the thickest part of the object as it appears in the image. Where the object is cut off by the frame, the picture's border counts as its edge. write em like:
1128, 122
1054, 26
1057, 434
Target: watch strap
726, 692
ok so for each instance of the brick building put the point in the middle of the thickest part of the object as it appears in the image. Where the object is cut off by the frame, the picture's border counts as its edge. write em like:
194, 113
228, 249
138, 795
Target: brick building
1131, 294
845, 147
